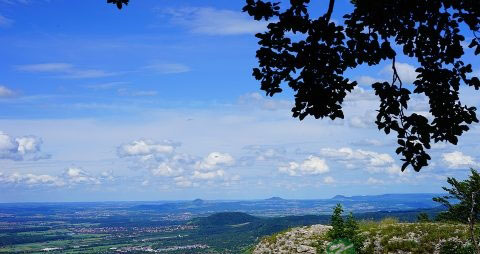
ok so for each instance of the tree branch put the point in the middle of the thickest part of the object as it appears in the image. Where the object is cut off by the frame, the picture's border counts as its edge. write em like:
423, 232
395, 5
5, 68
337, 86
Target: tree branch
396, 78
328, 15
471, 222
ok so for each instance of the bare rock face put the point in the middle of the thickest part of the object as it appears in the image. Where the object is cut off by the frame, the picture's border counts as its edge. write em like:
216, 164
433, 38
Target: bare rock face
302, 240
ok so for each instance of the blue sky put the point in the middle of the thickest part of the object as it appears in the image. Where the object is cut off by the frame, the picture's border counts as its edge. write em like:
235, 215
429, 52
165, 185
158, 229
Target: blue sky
157, 102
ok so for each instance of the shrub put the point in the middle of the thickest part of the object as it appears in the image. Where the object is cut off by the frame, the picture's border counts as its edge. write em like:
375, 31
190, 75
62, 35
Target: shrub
451, 247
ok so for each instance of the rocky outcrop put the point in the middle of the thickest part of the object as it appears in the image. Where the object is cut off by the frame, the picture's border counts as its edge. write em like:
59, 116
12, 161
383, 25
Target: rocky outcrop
380, 237
303, 240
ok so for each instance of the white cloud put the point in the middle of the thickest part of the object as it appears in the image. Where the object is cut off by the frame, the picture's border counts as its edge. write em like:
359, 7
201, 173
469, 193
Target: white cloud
31, 179
214, 160
168, 68
257, 100
46, 67
328, 180
8, 146
265, 153
15, 1
406, 72
358, 122
183, 182
162, 160
212, 21
106, 86
145, 93
167, 169
5, 92
107, 175
79, 176
375, 181
28, 144
368, 81
21, 148
439, 145
360, 94
368, 142
144, 147
476, 73
314, 165
64, 70
208, 175
395, 170
358, 157
311, 166
365, 121
127, 92
290, 169
5, 22
458, 160
72, 176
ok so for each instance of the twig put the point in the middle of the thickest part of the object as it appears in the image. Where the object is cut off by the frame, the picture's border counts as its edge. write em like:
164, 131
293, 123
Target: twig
396, 78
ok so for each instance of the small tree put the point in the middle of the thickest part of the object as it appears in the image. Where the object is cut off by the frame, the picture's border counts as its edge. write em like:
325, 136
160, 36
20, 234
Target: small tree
345, 229
463, 203
423, 217
352, 233
338, 227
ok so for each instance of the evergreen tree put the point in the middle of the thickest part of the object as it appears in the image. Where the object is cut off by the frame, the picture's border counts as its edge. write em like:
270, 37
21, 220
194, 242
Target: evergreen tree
338, 227
345, 229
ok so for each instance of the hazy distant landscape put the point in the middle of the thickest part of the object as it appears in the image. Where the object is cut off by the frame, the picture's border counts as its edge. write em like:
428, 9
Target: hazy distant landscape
198, 226
239, 127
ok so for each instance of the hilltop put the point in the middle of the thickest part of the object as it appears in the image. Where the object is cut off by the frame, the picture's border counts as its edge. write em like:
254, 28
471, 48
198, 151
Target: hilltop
275, 199
387, 236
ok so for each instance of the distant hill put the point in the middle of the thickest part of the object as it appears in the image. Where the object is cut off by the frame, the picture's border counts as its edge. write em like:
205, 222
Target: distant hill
339, 197
389, 197
276, 206
198, 201
275, 199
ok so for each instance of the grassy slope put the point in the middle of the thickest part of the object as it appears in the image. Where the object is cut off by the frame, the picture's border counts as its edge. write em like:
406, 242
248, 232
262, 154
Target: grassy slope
415, 238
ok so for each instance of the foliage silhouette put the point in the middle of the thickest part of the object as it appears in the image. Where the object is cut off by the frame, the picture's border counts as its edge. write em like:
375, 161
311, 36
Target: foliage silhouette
311, 54
314, 67
118, 3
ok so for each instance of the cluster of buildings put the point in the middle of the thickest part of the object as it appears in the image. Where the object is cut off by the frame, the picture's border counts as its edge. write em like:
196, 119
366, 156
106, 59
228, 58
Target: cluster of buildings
106, 230
131, 249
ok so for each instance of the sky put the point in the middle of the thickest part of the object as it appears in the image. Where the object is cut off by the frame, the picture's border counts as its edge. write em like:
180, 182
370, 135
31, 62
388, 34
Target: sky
157, 102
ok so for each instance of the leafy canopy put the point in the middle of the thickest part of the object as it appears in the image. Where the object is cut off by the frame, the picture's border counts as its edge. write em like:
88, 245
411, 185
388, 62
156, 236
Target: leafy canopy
311, 55
314, 66
118, 3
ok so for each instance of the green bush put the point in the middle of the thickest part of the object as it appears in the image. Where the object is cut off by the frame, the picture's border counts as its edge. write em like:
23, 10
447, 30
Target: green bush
456, 248
423, 217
